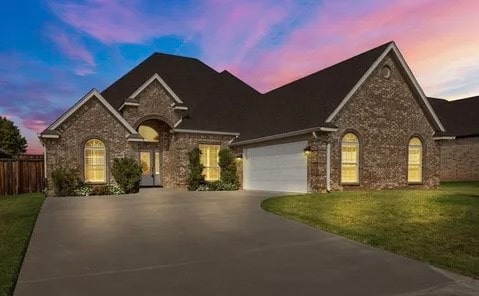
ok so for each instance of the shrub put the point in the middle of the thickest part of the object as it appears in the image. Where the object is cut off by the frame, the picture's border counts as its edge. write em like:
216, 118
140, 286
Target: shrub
83, 190
217, 186
195, 178
203, 187
115, 190
65, 181
100, 190
229, 174
127, 174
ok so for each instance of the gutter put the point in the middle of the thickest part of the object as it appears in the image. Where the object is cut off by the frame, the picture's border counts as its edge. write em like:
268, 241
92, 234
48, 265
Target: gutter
285, 135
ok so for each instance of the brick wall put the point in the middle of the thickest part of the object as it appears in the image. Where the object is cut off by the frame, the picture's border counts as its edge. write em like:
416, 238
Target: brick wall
154, 102
460, 159
92, 120
385, 115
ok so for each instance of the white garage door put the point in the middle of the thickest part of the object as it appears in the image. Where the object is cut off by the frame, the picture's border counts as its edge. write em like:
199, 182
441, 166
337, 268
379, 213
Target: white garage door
281, 167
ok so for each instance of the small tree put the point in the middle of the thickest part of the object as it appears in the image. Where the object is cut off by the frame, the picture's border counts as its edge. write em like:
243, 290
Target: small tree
229, 174
11, 141
127, 173
65, 181
195, 177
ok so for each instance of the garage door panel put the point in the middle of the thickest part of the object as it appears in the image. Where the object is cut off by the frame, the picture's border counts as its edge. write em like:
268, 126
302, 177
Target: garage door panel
281, 167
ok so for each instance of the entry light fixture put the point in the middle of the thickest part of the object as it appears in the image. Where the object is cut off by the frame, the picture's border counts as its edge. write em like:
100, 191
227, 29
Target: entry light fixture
307, 150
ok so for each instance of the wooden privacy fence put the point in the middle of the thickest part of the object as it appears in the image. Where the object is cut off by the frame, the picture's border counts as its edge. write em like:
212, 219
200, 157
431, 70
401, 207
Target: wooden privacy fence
24, 174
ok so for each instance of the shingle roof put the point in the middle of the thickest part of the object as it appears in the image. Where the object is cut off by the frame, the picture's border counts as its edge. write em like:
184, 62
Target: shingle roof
307, 102
222, 102
459, 117
211, 97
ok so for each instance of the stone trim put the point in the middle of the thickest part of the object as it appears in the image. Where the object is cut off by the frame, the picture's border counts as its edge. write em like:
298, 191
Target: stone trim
360, 159
107, 159
162, 82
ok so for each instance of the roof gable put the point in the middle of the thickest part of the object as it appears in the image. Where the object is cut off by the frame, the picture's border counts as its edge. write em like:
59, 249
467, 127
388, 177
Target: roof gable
307, 102
162, 82
315, 100
91, 94
186, 79
424, 103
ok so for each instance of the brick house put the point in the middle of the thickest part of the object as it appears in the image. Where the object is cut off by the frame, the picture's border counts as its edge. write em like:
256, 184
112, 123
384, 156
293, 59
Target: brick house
362, 123
459, 146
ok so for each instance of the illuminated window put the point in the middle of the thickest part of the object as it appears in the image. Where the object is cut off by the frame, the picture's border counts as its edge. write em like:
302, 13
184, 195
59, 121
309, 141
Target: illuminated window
209, 159
95, 161
148, 133
414, 171
350, 159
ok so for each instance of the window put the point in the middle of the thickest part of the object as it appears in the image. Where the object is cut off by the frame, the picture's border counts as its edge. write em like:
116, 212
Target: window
350, 159
148, 133
95, 164
414, 170
209, 159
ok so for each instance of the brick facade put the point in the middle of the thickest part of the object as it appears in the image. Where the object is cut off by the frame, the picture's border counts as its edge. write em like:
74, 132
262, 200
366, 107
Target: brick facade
93, 120
460, 159
384, 114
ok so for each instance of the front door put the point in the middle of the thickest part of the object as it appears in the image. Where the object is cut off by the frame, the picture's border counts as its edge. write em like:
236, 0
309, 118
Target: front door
150, 167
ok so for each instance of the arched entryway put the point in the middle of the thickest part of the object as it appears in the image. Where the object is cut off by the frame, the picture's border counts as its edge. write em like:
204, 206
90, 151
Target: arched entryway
156, 134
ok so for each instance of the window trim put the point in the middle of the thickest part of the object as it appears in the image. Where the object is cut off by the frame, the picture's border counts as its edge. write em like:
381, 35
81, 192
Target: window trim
149, 127
358, 155
421, 158
218, 158
104, 161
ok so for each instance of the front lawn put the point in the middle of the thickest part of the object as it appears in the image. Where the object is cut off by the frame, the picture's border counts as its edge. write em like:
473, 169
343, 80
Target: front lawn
440, 226
17, 218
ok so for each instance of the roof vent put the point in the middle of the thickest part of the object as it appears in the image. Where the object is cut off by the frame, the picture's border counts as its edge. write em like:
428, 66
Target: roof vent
386, 72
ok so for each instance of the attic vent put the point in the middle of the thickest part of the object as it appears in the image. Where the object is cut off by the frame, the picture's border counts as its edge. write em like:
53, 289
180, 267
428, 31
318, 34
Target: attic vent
386, 72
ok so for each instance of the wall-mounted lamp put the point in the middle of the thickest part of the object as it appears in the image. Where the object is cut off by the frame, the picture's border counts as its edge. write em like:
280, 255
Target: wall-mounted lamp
307, 150
238, 156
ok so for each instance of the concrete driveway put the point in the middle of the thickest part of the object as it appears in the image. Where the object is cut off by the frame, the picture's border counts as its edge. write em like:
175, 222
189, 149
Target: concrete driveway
163, 242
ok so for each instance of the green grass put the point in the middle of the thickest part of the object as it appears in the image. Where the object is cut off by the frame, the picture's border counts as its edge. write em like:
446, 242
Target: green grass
439, 226
17, 218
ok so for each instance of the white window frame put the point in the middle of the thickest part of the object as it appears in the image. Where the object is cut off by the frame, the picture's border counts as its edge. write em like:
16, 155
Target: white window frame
208, 155
420, 146
85, 166
349, 163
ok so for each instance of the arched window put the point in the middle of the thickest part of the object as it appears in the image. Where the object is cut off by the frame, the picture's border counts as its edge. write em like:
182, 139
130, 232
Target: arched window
414, 170
350, 159
95, 161
148, 133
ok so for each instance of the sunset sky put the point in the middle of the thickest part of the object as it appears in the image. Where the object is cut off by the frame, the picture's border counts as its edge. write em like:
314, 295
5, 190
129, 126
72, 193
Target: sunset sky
53, 52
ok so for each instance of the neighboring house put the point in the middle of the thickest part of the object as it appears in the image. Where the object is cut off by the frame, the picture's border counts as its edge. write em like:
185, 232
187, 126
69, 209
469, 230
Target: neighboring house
362, 123
460, 147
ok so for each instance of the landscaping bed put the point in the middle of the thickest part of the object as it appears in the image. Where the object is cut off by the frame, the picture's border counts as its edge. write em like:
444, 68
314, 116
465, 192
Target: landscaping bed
17, 219
439, 226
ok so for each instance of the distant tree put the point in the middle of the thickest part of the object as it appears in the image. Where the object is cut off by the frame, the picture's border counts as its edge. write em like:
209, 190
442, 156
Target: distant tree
11, 141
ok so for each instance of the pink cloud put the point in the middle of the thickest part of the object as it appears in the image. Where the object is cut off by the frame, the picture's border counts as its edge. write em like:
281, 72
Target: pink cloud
226, 31
424, 30
73, 49
231, 30
113, 21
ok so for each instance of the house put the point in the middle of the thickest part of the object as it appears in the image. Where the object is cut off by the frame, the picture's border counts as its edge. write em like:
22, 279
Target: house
459, 147
362, 123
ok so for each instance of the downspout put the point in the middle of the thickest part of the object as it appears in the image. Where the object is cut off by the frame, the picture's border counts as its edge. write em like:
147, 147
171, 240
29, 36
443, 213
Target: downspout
45, 178
328, 167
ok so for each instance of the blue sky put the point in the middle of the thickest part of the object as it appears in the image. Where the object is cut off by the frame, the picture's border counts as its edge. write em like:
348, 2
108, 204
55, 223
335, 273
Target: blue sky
53, 52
